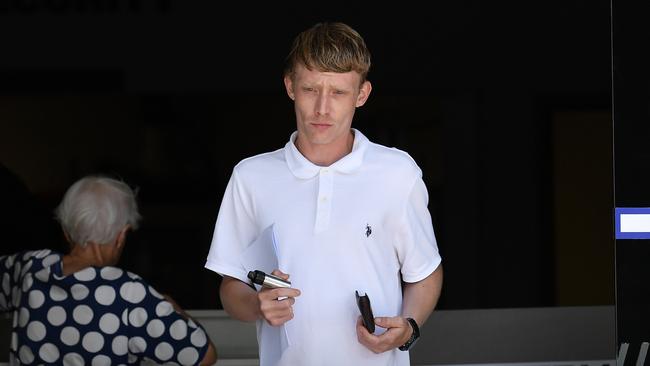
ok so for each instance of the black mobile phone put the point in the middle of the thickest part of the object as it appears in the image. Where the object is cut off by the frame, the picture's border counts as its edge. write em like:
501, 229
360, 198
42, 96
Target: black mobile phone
363, 302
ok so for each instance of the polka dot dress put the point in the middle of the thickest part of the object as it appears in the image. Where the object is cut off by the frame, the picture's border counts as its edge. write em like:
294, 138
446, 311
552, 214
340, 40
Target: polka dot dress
97, 316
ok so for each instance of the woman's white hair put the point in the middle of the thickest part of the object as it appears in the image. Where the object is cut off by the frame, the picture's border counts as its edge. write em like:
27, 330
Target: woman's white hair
95, 209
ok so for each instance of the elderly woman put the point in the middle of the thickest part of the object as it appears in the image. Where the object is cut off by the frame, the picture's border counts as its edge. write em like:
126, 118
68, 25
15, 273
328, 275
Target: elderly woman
78, 309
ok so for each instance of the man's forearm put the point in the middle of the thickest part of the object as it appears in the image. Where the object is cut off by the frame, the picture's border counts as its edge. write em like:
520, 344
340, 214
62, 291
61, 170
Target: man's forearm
420, 298
239, 300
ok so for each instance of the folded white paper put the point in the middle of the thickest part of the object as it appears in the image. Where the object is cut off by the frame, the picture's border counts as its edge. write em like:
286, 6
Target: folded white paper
262, 255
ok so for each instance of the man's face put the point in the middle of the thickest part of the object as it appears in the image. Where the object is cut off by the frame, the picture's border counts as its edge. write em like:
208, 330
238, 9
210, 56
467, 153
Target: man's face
325, 103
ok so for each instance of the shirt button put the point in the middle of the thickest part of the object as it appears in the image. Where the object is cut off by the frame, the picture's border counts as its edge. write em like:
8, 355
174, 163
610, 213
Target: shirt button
324, 198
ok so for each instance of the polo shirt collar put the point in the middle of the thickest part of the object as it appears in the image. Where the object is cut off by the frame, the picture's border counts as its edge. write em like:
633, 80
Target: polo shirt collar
302, 168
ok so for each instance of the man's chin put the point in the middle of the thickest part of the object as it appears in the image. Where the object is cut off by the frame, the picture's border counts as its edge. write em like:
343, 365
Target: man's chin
320, 142
316, 137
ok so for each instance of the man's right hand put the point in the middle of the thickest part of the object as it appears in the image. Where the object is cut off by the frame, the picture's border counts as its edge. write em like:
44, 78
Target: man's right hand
277, 312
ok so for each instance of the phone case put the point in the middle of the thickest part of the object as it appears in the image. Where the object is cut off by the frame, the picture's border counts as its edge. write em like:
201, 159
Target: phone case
363, 302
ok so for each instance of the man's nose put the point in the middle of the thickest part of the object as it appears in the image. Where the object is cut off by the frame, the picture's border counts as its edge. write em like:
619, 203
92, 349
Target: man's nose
322, 104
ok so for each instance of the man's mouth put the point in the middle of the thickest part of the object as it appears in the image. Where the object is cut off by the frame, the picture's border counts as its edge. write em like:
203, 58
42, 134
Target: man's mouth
321, 125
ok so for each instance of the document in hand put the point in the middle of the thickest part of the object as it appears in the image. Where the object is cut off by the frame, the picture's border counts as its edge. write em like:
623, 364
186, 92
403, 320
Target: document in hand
261, 254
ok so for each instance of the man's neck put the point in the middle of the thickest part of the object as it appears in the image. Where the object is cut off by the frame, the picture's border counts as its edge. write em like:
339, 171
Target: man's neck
326, 154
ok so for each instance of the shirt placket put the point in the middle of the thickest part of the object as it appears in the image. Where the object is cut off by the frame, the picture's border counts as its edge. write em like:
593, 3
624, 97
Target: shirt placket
324, 204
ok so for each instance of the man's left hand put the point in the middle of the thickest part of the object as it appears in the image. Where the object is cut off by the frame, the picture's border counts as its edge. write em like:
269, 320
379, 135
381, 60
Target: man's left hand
398, 331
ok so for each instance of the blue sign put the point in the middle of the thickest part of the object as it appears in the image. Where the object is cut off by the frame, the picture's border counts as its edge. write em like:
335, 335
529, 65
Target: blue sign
632, 222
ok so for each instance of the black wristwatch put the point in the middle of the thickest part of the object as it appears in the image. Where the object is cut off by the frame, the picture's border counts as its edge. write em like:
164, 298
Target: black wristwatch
414, 337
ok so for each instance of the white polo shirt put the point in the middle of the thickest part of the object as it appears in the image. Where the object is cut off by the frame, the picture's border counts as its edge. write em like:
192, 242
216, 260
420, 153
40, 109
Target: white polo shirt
359, 224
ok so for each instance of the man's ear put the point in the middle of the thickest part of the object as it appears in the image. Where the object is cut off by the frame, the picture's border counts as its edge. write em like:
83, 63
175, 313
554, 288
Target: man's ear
364, 93
288, 85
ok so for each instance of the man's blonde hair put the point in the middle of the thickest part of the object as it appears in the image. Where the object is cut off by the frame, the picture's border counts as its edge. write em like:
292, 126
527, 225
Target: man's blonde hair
329, 47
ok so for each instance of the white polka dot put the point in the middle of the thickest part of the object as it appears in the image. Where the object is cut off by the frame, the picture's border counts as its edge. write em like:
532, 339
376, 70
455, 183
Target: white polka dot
14, 342
188, 356
14, 322
49, 353
191, 323
132, 359
155, 328
23, 317
198, 338
79, 292
73, 359
87, 274
5, 283
27, 282
120, 345
132, 292
156, 293
133, 276
25, 354
111, 273
137, 317
125, 317
92, 342
105, 295
70, 336
17, 271
16, 296
50, 260
82, 314
36, 331
137, 345
28, 254
178, 329
109, 323
43, 275
42, 253
56, 315
26, 268
164, 351
164, 308
101, 360
35, 299
10, 261
57, 293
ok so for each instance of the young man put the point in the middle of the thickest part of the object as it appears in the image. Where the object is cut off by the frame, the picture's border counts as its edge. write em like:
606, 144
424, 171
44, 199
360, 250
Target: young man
347, 214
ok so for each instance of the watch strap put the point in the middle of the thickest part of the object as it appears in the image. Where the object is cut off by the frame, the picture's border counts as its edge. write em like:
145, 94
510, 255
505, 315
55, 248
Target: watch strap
414, 336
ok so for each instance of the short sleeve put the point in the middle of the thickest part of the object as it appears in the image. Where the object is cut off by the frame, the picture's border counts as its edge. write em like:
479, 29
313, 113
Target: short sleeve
7, 270
234, 230
16, 274
416, 242
157, 332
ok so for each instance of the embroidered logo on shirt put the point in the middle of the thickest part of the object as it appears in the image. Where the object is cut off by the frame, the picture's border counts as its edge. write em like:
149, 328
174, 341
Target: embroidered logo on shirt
368, 230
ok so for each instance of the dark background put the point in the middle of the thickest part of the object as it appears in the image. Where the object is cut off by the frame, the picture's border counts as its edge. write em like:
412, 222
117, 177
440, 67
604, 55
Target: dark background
506, 108
632, 156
